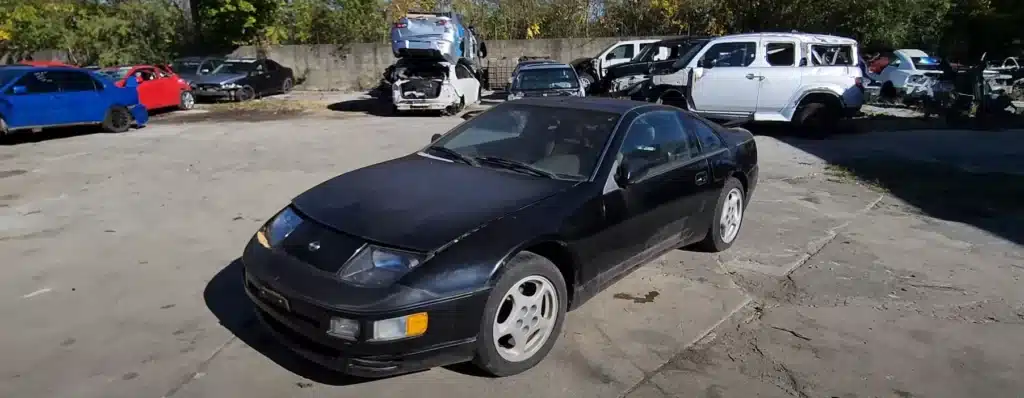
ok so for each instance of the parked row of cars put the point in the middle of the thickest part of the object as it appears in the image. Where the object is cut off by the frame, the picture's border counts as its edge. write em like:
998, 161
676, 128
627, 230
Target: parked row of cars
42, 94
810, 80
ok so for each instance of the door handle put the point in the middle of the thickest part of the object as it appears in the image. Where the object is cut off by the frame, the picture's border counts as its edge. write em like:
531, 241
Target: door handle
751, 76
702, 178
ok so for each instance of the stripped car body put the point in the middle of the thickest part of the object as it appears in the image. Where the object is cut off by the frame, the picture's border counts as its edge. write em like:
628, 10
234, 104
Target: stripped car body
433, 85
626, 80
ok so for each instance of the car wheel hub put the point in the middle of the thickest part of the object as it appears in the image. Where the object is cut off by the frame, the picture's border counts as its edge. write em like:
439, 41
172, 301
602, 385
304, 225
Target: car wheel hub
188, 101
525, 318
732, 215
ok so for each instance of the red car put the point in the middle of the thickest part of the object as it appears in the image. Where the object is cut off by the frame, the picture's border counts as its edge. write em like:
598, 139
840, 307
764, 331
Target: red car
159, 87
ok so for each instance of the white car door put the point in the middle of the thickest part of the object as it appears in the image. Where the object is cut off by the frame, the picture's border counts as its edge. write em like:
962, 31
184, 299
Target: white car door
619, 54
723, 80
778, 72
468, 86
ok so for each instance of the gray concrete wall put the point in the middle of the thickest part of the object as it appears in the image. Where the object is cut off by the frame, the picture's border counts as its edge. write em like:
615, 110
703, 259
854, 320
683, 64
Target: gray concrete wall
359, 66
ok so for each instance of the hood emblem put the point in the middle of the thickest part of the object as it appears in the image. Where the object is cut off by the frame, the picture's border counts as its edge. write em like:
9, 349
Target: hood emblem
313, 246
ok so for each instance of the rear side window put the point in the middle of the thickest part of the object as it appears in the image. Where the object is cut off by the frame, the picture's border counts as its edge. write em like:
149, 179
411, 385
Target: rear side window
780, 54
38, 83
74, 81
832, 55
709, 140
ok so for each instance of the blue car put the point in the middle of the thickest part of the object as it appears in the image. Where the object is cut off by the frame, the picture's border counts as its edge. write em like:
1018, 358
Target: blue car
34, 98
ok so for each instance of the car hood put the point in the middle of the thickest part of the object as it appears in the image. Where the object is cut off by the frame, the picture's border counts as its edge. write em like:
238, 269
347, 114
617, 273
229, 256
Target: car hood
548, 92
219, 78
419, 203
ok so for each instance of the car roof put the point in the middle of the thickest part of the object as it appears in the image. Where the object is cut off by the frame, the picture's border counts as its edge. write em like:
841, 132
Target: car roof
546, 65
241, 59
911, 52
807, 37
597, 104
683, 39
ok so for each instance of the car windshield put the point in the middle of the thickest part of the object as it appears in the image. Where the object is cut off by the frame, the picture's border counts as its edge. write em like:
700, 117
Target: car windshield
185, 66
545, 79
115, 73
925, 63
7, 75
235, 67
565, 142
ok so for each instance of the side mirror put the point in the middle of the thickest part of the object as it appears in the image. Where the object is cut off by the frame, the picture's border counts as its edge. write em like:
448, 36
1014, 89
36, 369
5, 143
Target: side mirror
623, 174
19, 89
132, 82
435, 137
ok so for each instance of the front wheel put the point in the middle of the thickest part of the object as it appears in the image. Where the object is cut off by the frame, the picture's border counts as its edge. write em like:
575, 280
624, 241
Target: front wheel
245, 94
522, 317
287, 86
725, 226
118, 120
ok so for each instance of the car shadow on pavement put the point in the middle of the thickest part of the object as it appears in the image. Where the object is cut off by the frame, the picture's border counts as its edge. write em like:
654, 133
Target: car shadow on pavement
25, 137
969, 176
370, 106
225, 297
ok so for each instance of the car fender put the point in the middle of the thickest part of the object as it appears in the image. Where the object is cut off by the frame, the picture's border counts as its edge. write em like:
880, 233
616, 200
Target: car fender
832, 89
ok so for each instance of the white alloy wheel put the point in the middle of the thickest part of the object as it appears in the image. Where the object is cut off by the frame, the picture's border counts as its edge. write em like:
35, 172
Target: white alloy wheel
525, 318
732, 215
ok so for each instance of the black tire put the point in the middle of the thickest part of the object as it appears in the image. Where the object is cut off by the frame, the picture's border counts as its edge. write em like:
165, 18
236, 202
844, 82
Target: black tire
287, 85
522, 265
713, 242
118, 119
245, 94
816, 120
589, 78
187, 101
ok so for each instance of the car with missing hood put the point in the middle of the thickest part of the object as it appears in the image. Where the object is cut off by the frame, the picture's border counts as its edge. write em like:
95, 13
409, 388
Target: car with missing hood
546, 80
475, 246
243, 79
432, 85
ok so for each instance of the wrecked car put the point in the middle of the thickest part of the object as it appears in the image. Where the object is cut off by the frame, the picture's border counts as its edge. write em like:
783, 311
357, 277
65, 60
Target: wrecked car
593, 69
626, 79
437, 35
433, 85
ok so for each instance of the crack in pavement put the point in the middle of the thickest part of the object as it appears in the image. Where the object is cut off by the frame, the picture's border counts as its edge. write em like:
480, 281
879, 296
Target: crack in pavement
831, 234
200, 369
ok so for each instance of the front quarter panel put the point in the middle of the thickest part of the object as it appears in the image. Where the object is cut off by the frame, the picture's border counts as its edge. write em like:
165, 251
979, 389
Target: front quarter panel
470, 263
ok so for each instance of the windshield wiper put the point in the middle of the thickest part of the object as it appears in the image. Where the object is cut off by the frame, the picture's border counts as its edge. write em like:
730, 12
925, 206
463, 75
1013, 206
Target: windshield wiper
517, 166
455, 155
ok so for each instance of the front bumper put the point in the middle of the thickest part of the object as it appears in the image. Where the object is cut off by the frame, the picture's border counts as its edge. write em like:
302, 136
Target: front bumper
219, 93
302, 323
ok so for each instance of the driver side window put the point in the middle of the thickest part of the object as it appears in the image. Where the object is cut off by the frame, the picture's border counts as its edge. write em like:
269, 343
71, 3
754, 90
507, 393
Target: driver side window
656, 141
624, 51
722, 55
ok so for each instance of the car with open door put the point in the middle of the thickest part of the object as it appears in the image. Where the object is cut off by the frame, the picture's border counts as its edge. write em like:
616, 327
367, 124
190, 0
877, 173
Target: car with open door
243, 79
159, 87
35, 98
473, 247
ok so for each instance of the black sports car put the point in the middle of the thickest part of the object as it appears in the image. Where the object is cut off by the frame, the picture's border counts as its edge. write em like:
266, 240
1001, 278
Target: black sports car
243, 79
474, 247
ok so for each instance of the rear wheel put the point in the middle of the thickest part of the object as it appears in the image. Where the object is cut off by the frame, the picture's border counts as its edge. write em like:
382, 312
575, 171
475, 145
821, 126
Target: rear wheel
522, 317
118, 119
188, 101
729, 211
287, 85
816, 119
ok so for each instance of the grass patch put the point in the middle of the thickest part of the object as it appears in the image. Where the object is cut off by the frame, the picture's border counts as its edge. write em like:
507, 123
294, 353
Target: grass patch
271, 106
937, 187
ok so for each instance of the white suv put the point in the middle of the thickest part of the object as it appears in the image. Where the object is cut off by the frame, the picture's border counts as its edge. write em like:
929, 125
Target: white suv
808, 79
